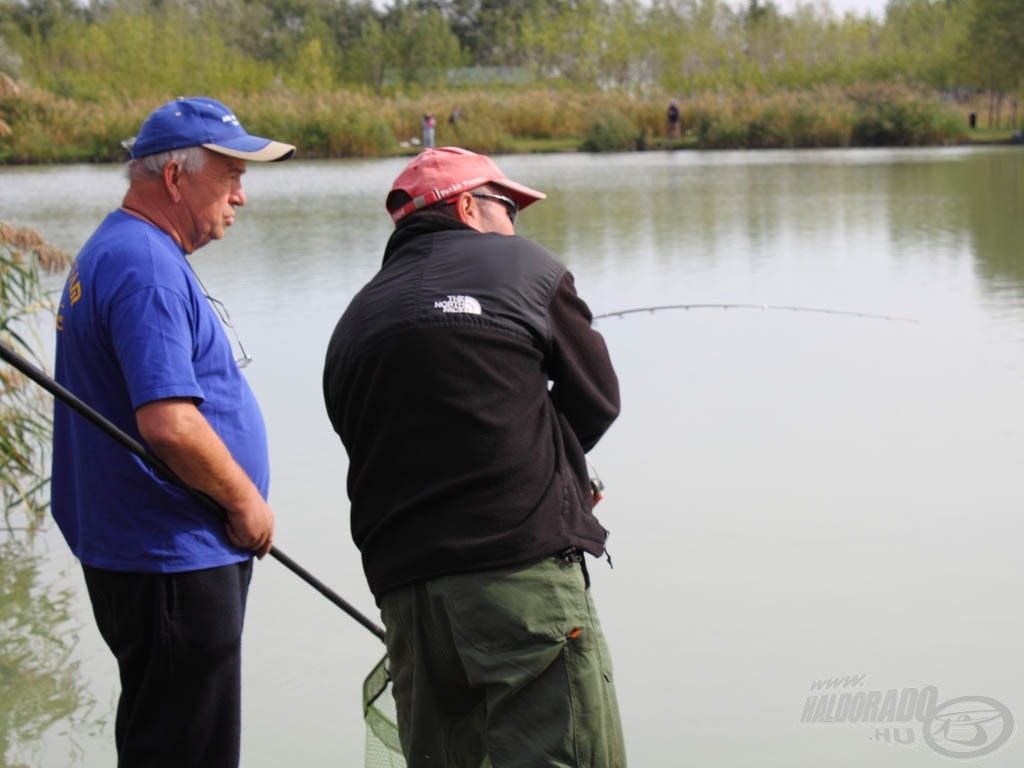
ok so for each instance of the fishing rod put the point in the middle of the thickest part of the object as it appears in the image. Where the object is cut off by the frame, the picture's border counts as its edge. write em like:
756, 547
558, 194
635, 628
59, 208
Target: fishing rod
662, 307
107, 426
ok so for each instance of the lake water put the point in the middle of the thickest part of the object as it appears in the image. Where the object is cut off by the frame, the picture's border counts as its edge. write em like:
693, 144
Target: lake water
794, 496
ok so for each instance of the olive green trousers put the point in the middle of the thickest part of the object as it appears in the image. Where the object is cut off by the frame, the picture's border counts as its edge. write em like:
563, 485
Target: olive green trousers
505, 668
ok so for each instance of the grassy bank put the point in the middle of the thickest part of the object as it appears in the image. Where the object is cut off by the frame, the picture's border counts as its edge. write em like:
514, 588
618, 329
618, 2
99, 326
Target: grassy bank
37, 127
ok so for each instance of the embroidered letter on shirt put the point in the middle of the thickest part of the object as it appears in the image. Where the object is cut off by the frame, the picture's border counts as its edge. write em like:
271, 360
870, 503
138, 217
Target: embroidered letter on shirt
466, 305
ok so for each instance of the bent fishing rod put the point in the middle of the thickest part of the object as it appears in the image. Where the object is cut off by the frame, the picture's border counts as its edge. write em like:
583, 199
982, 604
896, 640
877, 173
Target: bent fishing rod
112, 430
773, 307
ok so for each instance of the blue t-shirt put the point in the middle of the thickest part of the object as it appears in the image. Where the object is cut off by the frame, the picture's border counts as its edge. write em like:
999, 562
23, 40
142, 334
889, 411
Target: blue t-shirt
134, 326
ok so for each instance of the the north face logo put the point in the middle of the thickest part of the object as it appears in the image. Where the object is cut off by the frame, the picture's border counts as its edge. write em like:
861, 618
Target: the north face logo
465, 305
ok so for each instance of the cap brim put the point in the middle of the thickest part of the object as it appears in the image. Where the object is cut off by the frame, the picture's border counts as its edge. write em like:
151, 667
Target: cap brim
253, 148
522, 194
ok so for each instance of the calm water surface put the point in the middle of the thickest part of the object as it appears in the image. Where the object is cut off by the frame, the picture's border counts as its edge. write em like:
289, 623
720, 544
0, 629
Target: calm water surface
793, 496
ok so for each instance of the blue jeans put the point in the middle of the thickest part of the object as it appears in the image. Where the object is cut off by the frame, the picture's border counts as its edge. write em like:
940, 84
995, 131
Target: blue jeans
507, 668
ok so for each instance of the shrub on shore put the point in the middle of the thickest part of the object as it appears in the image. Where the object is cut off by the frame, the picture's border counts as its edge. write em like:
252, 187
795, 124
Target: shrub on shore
609, 131
866, 115
894, 115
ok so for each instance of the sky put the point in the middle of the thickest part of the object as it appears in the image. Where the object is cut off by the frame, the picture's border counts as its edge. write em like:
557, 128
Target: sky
860, 7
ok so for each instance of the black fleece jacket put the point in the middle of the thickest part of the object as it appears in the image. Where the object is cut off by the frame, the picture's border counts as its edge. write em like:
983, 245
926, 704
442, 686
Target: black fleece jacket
466, 383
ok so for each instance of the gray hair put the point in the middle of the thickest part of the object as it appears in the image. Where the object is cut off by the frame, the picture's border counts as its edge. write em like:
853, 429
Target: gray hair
190, 160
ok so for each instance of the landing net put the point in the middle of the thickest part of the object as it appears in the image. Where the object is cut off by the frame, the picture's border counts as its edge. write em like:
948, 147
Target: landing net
383, 749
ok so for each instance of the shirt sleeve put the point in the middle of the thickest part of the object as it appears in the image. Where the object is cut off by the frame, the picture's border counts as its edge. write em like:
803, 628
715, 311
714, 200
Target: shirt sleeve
585, 387
152, 332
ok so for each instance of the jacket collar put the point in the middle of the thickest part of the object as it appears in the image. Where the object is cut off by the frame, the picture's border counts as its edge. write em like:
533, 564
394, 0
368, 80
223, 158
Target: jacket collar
422, 223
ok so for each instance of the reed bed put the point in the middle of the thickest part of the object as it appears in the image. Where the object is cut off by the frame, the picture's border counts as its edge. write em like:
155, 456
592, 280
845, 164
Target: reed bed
25, 424
44, 128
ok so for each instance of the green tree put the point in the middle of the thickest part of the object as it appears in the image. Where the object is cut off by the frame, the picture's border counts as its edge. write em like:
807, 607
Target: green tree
420, 45
315, 64
489, 30
364, 59
991, 55
994, 52
126, 54
921, 38
567, 41
693, 44
38, 18
763, 30
622, 62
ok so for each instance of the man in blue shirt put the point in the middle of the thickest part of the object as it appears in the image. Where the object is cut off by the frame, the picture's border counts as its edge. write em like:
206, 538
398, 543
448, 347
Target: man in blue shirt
139, 341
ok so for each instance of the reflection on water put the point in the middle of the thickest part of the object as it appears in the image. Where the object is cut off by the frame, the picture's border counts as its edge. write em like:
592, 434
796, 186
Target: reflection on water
40, 680
992, 195
792, 497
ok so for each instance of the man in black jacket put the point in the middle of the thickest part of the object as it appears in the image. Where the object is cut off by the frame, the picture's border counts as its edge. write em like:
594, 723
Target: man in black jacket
466, 383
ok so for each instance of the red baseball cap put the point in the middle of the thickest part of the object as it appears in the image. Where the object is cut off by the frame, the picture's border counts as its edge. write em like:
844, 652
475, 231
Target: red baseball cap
439, 174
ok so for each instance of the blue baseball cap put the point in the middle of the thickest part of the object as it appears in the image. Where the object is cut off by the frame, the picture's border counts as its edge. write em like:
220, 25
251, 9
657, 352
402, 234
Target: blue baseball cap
203, 122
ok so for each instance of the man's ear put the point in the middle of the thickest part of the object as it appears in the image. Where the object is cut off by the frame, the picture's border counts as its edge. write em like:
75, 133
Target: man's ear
172, 180
467, 211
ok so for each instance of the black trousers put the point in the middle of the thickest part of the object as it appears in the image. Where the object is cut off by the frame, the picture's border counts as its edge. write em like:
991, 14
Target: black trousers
177, 639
